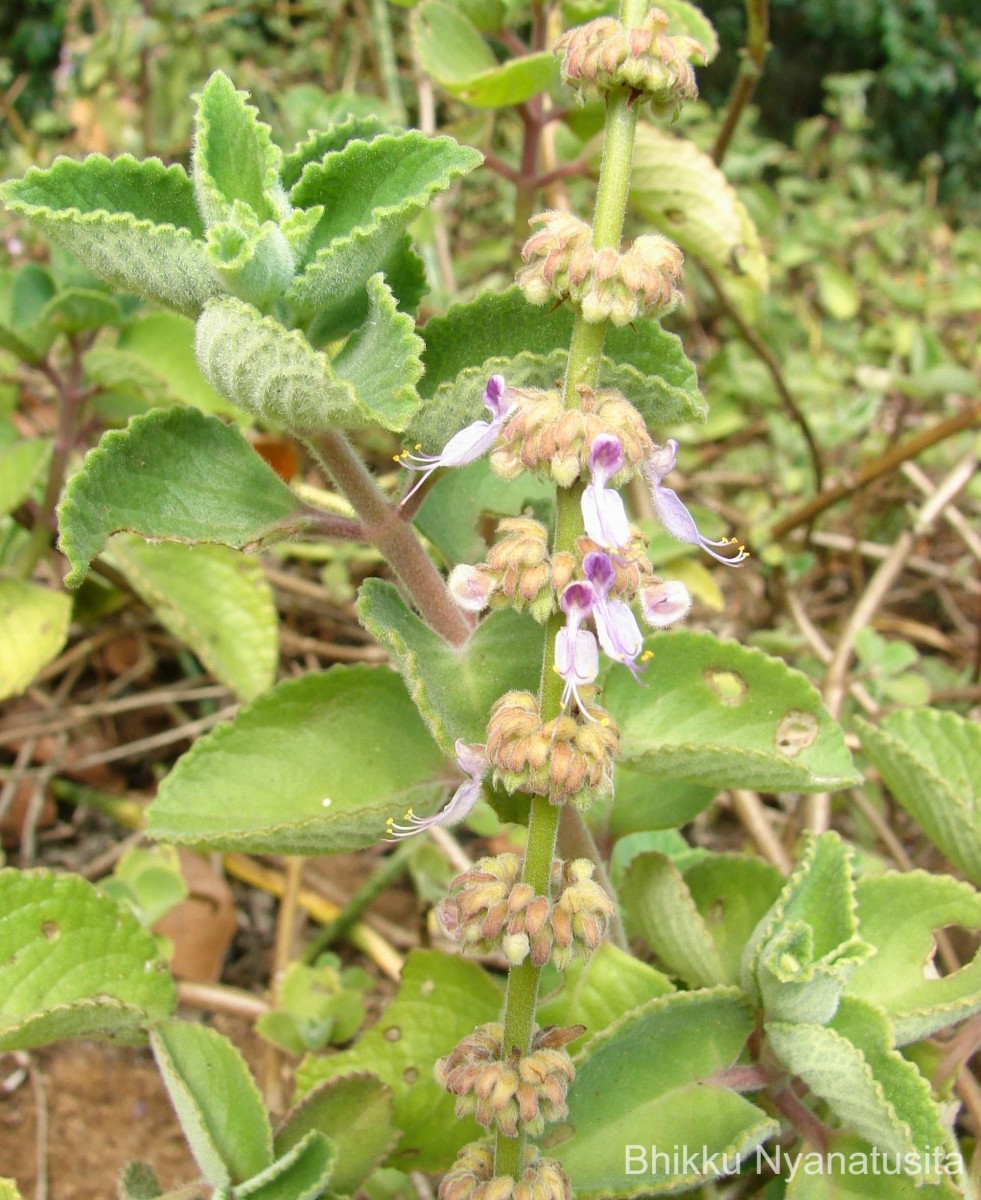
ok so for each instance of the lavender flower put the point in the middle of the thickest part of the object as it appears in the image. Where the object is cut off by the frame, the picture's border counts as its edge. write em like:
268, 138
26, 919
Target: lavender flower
603, 513
576, 653
618, 632
471, 443
674, 516
472, 761
664, 603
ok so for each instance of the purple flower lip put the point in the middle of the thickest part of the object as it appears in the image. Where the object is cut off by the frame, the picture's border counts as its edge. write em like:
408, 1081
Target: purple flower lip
603, 514
673, 514
469, 444
472, 761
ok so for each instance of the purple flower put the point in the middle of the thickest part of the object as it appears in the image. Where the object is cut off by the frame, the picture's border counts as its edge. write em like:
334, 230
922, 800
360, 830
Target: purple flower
618, 632
469, 444
675, 518
576, 654
472, 761
603, 513
664, 603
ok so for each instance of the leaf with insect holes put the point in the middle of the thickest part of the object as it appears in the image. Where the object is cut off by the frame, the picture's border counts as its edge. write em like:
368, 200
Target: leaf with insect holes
74, 964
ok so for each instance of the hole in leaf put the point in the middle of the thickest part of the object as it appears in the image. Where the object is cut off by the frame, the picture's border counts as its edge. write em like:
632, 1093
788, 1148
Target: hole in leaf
796, 732
51, 930
963, 943
410, 1074
727, 685
393, 1034
428, 987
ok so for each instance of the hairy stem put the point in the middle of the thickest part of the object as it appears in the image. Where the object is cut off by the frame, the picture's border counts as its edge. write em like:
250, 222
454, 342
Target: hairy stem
585, 351
754, 56
388, 530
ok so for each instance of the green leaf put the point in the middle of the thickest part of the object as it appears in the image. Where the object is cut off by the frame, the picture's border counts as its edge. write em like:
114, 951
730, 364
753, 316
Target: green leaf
174, 475
653, 1071
660, 905
898, 915
928, 758
10, 1191
320, 142
33, 628
837, 291
681, 192
215, 600
451, 50
150, 880
302, 1173
641, 803
598, 992
803, 952
723, 715
24, 295
356, 1112
440, 999
21, 466
234, 157
454, 687
502, 333
73, 963
449, 517
381, 360
869, 1086
370, 192
78, 310
216, 1101
732, 893
154, 358
137, 1181
314, 766
133, 223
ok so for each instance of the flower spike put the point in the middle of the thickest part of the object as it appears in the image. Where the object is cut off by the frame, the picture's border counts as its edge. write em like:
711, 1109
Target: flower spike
618, 632
472, 761
472, 442
576, 653
603, 513
673, 514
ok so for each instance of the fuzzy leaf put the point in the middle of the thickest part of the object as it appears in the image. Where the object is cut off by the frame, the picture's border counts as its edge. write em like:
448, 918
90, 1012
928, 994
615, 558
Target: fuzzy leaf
33, 628
133, 223
653, 1069
803, 952
641, 803
870, 1087
454, 687
682, 193
502, 333
302, 1173
899, 914
451, 50
174, 475
355, 1112
929, 759
848, 1172
137, 1181
600, 991
216, 1100
234, 156
24, 296
21, 466
217, 601
313, 766
720, 714
440, 999
73, 963
370, 192
320, 142
661, 907
78, 310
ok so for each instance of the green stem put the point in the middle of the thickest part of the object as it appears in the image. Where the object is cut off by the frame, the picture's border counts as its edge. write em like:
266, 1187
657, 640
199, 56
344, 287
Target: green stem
585, 356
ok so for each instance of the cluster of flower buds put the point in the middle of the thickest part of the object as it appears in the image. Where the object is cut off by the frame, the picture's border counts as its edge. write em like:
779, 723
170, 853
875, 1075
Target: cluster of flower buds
569, 759
489, 908
561, 263
508, 1090
541, 435
605, 54
472, 1177
516, 572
